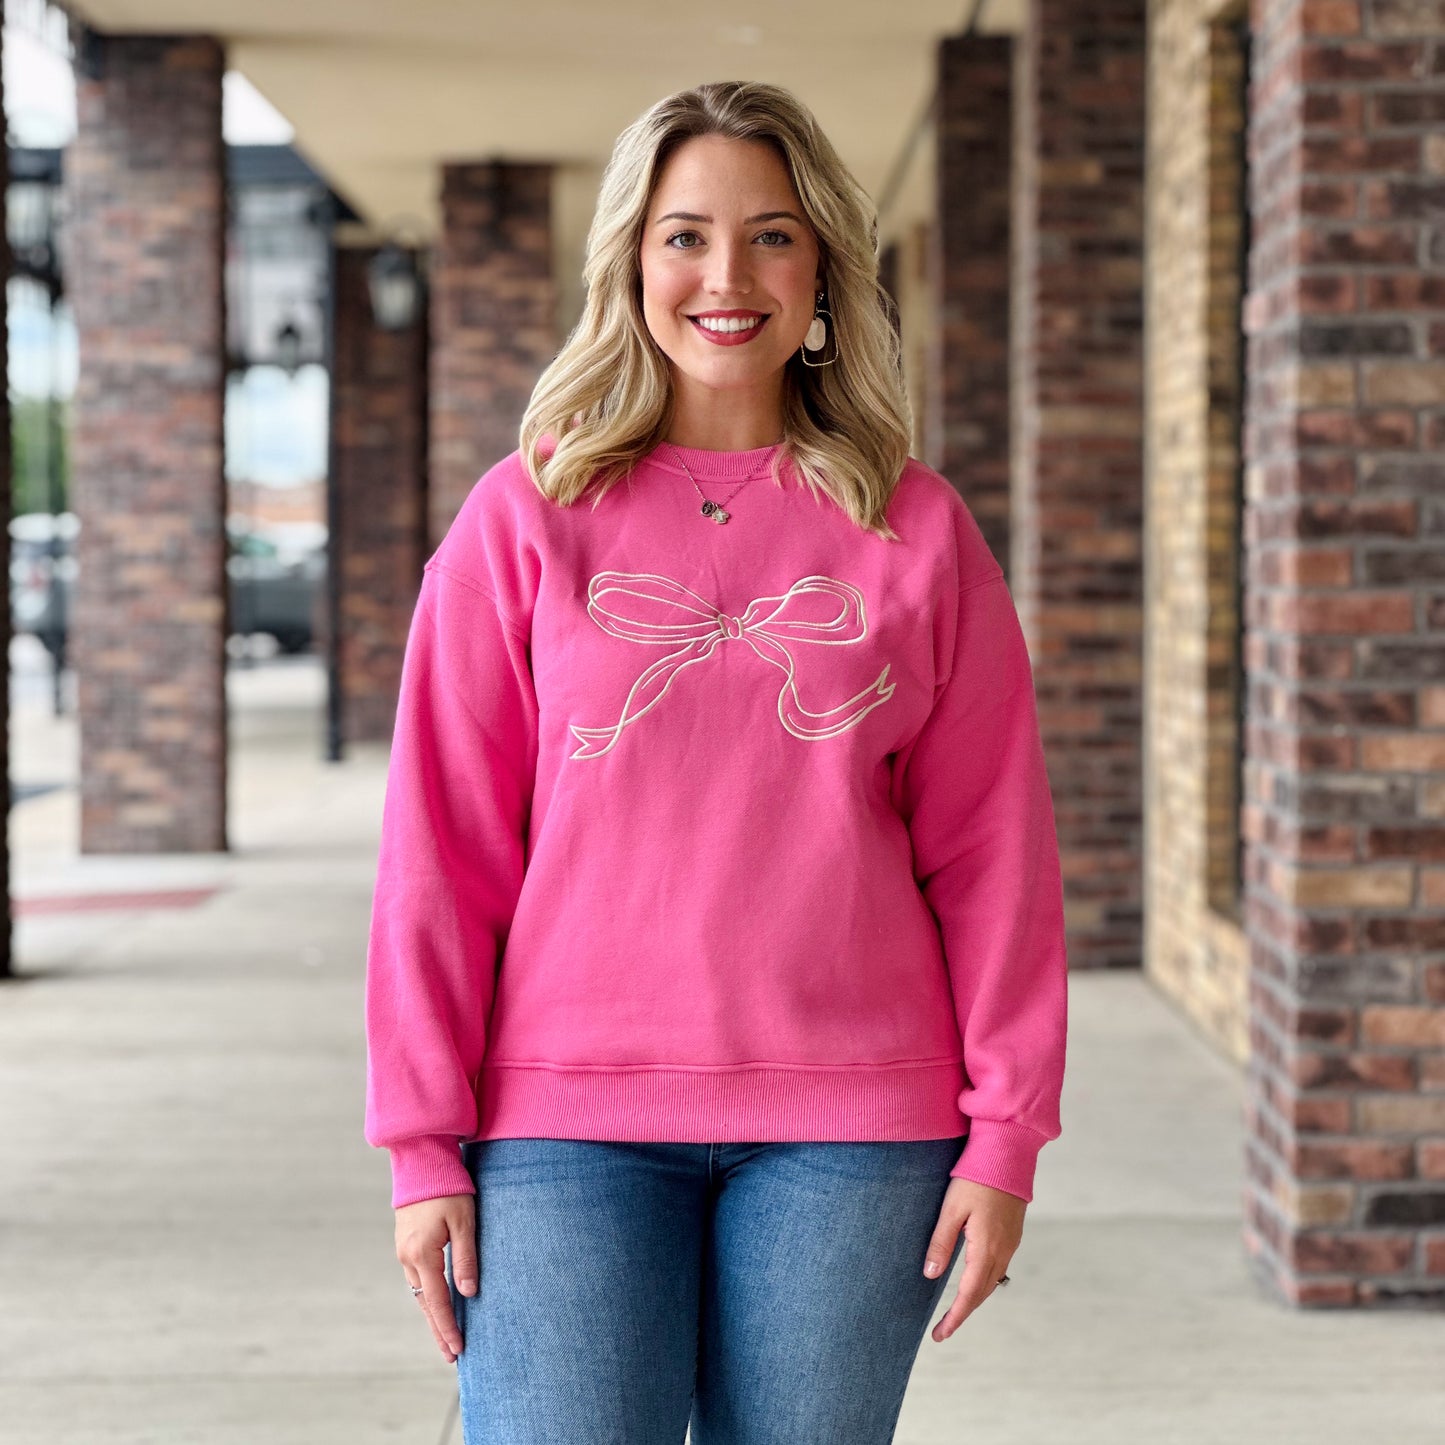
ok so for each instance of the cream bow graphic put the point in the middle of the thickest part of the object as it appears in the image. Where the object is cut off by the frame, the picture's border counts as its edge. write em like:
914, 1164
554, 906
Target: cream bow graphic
764, 625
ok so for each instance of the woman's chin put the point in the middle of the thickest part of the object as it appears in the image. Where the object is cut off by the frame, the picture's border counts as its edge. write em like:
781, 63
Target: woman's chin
733, 366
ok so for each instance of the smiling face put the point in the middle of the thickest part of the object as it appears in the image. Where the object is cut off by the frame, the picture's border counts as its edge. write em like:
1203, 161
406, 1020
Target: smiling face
730, 268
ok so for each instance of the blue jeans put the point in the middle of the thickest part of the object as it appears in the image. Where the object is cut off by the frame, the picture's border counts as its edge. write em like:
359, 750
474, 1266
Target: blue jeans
762, 1294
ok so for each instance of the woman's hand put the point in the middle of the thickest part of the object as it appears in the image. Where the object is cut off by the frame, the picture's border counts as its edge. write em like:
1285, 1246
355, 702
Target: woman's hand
995, 1220
423, 1230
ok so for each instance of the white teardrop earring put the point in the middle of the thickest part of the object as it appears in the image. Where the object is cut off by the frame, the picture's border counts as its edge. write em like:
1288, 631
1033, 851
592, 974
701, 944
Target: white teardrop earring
817, 337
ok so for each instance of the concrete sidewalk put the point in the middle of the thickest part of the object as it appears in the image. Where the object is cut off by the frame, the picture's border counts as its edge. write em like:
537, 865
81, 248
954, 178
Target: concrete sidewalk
195, 1240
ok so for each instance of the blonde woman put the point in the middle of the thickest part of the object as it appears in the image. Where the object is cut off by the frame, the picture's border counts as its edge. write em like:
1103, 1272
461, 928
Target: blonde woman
716, 991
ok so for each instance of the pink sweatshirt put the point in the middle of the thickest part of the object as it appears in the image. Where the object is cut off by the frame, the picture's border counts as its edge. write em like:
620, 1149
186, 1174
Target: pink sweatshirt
714, 832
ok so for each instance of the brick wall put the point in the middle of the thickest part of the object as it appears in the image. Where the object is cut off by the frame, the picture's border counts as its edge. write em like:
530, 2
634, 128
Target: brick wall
967, 377
380, 419
144, 241
1075, 432
493, 315
1195, 947
1345, 527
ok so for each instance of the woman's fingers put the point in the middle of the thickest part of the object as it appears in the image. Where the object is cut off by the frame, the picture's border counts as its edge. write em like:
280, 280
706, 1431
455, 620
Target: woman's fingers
992, 1222
981, 1271
437, 1304
426, 1315
423, 1231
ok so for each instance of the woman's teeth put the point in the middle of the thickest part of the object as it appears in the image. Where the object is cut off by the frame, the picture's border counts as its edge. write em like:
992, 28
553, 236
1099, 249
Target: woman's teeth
727, 323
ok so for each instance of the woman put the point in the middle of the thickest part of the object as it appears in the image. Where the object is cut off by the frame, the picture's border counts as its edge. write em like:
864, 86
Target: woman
710, 1010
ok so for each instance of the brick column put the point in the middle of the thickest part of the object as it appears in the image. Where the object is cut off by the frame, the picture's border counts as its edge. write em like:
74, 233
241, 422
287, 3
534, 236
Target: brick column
380, 458
966, 416
1076, 393
1345, 608
493, 316
145, 183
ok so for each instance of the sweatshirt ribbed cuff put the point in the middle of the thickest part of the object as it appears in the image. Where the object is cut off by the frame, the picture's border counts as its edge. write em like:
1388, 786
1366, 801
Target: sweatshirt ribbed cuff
1001, 1154
427, 1168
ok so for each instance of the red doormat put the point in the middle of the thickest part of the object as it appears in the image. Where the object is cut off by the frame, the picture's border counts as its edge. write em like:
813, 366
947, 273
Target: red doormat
88, 902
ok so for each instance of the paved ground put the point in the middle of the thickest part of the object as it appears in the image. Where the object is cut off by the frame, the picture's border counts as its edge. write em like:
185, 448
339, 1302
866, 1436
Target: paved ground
195, 1241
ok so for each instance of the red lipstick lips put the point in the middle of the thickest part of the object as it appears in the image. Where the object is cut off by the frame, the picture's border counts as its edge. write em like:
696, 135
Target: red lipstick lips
729, 338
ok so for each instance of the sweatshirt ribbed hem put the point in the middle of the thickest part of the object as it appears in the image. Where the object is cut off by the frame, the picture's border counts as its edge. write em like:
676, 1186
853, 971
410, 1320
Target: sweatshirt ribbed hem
754, 1103
909, 1101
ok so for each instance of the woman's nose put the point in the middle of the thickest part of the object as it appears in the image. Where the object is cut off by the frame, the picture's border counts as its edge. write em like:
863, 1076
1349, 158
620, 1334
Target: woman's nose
729, 268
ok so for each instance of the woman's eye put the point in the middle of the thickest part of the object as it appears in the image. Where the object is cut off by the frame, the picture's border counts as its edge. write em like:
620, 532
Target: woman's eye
783, 239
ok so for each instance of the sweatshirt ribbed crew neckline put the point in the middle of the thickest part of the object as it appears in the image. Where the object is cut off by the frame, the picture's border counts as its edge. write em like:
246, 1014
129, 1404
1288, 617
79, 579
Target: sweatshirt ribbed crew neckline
720, 466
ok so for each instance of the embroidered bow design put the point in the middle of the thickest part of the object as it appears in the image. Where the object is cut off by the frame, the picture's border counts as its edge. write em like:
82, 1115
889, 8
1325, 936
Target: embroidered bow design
624, 604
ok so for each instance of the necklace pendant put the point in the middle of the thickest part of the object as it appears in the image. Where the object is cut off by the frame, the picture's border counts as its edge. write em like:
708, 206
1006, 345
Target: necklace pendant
708, 508
719, 516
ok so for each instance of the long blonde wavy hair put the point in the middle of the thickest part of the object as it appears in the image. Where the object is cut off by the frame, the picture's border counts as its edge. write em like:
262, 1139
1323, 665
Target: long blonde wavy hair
605, 399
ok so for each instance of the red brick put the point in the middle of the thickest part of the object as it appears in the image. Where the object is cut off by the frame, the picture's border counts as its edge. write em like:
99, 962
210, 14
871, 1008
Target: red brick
1363, 518
1434, 1254
1404, 291
1315, 1070
1329, 17
1351, 1159
1333, 707
1353, 612
1403, 1027
1309, 1114
1315, 567
1358, 1252
1323, 1025
1359, 60
1369, 245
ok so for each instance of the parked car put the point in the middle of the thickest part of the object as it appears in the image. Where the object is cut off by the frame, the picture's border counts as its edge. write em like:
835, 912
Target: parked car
275, 576
42, 546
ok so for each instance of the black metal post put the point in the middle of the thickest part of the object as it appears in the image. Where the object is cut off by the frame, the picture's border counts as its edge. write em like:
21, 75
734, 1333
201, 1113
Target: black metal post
334, 749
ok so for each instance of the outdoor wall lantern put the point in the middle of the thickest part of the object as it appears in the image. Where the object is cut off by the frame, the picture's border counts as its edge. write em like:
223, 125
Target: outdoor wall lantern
396, 287
288, 348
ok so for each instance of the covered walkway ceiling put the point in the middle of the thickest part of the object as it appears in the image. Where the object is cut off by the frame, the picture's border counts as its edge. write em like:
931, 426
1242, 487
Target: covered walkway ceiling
381, 92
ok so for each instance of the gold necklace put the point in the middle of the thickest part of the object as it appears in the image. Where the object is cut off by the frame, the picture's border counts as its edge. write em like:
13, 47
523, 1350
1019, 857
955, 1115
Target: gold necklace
710, 508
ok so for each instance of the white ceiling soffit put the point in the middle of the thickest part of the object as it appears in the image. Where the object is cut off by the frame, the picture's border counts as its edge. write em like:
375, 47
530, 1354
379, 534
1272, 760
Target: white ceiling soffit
381, 93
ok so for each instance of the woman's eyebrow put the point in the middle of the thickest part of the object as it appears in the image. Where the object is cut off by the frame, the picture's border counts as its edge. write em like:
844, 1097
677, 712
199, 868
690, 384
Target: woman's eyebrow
750, 221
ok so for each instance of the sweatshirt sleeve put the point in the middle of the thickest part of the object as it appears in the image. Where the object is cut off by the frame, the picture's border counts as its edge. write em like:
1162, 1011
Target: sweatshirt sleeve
975, 794
449, 872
